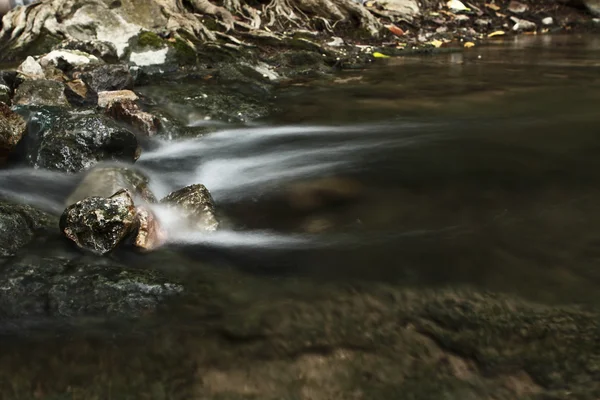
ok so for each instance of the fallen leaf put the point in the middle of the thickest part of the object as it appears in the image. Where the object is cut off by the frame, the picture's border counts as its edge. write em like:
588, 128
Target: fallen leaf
469, 45
497, 33
436, 43
457, 5
492, 6
380, 55
395, 30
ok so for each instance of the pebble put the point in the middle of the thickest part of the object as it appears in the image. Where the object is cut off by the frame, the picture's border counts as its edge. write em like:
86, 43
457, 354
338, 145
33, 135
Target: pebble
548, 21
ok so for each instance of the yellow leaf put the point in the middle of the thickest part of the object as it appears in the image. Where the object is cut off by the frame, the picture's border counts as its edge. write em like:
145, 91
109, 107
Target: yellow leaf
469, 44
370, 3
492, 6
497, 33
436, 43
380, 55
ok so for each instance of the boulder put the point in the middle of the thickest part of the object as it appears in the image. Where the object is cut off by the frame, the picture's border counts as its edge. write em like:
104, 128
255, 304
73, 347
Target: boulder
78, 93
18, 225
41, 93
194, 208
129, 112
106, 77
12, 129
38, 287
99, 224
150, 234
72, 143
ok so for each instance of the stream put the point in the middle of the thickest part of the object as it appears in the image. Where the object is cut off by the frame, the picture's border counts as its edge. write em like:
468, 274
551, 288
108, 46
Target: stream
477, 169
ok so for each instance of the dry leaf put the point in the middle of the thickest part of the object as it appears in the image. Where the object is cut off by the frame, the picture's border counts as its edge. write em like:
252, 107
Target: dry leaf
497, 33
395, 30
380, 55
469, 45
492, 6
436, 43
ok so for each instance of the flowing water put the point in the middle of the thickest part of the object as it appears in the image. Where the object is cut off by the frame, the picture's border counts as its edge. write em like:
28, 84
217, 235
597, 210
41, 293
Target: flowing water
479, 168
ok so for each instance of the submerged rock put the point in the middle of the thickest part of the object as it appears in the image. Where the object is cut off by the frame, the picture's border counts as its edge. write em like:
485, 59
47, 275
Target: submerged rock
51, 286
73, 143
194, 206
12, 129
18, 225
41, 92
99, 224
104, 181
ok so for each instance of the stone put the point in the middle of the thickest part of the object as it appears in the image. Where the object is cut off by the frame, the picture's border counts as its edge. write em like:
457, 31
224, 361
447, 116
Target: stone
150, 234
406, 8
102, 50
31, 69
106, 77
548, 21
78, 93
72, 143
12, 129
593, 6
38, 286
41, 93
194, 208
128, 112
99, 224
103, 181
517, 7
67, 59
107, 98
18, 225
523, 25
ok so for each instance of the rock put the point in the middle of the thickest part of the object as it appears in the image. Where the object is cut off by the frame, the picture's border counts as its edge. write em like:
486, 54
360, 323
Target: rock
548, 21
128, 112
31, 69
41, 93
194, 207
523, 25
107, 78
99, 224
150, 234
18, 225
517, 7
67, 59
78, 93
72, 143
103, 181
12, 129
102, 50
406, 8
106, 99
49, 286
593, 6
483, 22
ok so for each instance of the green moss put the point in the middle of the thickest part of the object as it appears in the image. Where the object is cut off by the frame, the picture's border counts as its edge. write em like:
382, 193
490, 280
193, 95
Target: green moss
150, 39
184, 53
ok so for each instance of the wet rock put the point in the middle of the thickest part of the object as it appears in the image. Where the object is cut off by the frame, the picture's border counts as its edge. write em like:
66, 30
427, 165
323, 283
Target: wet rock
194, 207
12, 129
99, 224
129, 112
150, 234
41, 93
593, 6
72, 143
106, 99
517, 7
52, 286
18, 225
67, 59
107, 78
78, 93
104, 181
31, 69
